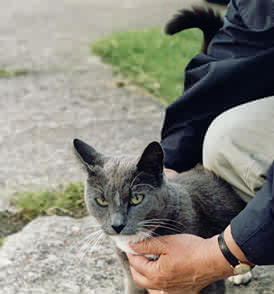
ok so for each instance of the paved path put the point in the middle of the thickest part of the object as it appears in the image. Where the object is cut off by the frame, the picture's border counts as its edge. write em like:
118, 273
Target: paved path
66, 94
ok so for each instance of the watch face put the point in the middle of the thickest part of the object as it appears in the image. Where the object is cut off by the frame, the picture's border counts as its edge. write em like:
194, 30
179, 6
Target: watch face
241, 268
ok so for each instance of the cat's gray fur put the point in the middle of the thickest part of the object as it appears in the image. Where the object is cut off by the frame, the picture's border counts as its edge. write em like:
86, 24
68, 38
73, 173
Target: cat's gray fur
195, 202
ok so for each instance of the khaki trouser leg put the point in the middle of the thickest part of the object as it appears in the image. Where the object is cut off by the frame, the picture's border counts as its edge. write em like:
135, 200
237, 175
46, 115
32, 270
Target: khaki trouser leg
239, 145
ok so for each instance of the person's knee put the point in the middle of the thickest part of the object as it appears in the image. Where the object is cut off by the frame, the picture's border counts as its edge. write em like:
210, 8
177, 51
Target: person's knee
214, 143
224, 156
238, 145
231, 151
246, 129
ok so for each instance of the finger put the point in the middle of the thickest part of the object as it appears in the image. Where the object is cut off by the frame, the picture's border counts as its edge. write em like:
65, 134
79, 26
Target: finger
140, 280
142, 265
137, 260
170, 173
155, 291
150, 246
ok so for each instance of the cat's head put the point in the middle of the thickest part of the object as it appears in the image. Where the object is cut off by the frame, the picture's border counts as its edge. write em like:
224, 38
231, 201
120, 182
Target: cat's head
125, 194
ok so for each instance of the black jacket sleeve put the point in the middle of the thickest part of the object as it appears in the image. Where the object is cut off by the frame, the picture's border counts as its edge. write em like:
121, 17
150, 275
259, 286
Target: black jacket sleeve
237, 69
253, 228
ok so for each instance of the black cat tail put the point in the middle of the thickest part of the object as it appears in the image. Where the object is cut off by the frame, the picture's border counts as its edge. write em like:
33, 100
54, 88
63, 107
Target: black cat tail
220, 2
204, 18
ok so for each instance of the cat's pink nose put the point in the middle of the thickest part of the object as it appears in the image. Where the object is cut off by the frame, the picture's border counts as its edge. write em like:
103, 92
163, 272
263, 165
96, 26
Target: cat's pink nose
118, 228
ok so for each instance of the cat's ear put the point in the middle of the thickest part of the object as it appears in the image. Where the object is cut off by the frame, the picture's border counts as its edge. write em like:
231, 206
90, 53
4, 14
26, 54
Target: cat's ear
152, 159
87, 154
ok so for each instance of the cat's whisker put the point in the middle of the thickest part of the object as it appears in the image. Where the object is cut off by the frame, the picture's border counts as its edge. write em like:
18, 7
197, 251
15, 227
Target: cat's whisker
149, 235
145, 231
160, 219
91, 235
94, 226
164, 227
132, 183
145, 235
166, 222
170, 228
146, 185
98, 189
83, 251
163, 219
94, 232
101, 241
156, 222
92, 229
97, 243
163, 224
92, 238
91, 245
155, 234
89, 242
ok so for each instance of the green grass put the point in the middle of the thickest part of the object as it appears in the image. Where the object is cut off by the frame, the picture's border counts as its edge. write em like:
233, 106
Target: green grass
4, 73
2, 240
63, 201
151, 59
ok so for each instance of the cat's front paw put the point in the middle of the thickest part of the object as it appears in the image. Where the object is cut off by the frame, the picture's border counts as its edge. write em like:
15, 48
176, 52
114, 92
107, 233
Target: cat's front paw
241, 279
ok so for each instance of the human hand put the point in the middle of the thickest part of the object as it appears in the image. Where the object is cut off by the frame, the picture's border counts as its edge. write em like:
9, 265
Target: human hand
170, 173
187, 263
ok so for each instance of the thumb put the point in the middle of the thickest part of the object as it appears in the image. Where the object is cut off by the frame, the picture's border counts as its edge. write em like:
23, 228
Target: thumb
150, 246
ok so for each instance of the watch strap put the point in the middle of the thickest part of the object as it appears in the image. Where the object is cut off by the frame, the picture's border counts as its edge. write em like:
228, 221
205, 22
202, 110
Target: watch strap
226, 252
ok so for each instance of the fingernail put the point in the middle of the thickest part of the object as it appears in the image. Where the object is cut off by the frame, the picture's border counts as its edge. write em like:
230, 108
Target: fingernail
132, 245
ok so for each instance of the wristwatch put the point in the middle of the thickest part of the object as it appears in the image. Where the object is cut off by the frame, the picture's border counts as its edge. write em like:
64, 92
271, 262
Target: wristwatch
239, 267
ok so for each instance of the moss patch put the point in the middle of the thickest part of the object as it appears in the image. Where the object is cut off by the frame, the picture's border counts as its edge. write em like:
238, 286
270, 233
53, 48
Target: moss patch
67, 200
4, 73
10, 223
2, 241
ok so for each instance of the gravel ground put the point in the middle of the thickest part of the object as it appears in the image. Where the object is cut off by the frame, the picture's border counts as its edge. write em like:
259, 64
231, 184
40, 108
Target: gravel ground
66, 94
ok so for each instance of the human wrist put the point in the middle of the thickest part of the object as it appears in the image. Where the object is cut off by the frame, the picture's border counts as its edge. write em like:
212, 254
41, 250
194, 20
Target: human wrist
212, 264
221, 268
234, 248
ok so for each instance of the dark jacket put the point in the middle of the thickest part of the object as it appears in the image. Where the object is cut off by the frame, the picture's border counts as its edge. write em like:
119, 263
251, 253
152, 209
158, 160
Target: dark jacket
237, 68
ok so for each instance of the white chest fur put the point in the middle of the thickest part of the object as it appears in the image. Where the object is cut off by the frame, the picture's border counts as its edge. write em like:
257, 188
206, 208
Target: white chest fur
122, 241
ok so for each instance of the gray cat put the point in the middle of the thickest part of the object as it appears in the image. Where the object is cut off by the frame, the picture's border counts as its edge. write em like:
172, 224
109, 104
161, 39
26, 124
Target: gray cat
133, 200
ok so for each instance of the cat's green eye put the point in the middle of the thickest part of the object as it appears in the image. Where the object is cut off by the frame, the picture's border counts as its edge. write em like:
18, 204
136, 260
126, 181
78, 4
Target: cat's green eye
137, 199
102, 201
